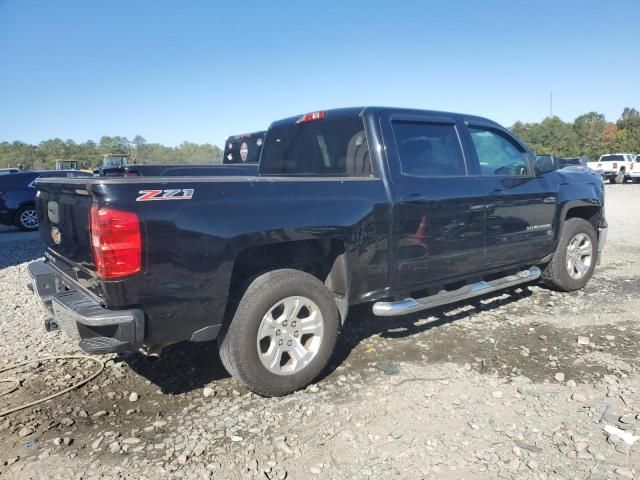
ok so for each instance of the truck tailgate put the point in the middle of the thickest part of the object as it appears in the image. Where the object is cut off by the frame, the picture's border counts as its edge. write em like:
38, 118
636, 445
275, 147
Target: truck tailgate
63, 212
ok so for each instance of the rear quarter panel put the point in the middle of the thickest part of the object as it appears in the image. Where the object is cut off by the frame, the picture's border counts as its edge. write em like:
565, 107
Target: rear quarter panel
190, 245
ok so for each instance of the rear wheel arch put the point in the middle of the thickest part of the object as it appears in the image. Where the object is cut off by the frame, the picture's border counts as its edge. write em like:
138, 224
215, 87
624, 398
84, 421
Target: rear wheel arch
265, 341
323, 258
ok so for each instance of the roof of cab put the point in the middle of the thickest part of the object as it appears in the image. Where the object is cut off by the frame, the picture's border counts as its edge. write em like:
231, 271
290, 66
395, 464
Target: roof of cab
242, 136
358, 111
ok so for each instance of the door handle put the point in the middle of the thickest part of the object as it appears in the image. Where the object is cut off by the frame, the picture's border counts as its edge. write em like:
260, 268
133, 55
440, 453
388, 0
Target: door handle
549, 200
498, 191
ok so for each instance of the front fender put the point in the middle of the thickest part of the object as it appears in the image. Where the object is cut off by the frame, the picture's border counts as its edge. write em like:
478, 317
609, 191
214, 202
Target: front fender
578, 194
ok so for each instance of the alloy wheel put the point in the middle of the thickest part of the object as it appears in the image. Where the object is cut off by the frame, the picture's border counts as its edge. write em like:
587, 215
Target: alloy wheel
579, 256
290, 335
29, 219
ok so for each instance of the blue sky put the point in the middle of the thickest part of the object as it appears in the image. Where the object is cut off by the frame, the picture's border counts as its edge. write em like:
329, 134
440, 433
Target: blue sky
200, 70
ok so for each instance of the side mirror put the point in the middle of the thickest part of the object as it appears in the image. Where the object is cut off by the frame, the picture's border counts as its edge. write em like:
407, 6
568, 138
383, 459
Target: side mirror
546, 164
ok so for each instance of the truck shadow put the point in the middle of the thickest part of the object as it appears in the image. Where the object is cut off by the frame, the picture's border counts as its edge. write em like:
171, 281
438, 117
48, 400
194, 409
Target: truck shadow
362, 324
187, 366
183, 367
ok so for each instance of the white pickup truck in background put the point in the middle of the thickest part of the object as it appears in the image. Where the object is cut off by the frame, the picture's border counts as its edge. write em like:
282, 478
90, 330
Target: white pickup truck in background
635, 170
617, 167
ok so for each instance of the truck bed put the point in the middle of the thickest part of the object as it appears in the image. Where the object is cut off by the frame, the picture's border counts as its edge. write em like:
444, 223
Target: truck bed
189, 245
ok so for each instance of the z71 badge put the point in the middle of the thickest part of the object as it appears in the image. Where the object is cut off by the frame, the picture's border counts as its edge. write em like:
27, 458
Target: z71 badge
171, 194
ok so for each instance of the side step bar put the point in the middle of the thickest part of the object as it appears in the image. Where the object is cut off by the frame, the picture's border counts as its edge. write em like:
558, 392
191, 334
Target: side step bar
411, 305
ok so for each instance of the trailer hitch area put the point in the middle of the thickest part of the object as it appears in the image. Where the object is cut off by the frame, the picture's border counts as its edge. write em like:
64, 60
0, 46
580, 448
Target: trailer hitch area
50, 325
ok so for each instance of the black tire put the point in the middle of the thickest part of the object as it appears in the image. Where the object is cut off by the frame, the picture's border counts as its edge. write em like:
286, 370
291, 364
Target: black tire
556, 274
238, 342
20, 219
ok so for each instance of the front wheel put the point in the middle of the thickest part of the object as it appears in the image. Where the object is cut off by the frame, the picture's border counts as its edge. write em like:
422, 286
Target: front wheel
282, 334
575, 258
27, 218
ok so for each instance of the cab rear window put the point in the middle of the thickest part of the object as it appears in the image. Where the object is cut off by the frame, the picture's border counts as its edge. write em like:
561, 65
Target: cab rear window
612, 158
329, 147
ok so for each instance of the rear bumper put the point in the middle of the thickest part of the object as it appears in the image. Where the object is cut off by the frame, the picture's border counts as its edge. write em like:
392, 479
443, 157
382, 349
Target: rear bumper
96, 329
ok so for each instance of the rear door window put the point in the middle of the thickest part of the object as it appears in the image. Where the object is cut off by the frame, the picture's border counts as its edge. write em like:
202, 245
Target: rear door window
428, 149
330, 147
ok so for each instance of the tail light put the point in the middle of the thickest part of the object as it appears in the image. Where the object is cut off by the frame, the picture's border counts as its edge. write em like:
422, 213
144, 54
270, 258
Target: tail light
115, 239
631, 166
311, 117
615, 166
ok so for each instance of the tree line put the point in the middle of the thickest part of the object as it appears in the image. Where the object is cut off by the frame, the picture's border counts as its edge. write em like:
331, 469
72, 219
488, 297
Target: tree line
89, 154
590, 135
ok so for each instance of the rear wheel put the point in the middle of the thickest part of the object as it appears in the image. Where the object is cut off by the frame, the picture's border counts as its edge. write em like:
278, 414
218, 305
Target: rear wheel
575, 258
282, 334
27, 218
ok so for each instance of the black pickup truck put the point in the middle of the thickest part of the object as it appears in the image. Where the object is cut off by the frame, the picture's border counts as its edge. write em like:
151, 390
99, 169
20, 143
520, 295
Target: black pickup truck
243, 148
405, 209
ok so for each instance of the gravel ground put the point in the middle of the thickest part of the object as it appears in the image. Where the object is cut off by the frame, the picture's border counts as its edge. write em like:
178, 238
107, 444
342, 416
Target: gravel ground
517, 385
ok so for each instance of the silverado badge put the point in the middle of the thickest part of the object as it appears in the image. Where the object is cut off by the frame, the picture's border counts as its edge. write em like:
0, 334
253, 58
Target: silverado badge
56, 236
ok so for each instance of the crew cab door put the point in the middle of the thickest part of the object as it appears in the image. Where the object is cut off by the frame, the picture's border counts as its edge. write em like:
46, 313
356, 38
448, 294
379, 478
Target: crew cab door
439, 207
520, 206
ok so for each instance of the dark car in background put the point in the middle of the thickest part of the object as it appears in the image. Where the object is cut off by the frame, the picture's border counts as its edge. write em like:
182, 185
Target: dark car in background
572, 161
579, 164
18, 196
574, 164
240, 158
243, 148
